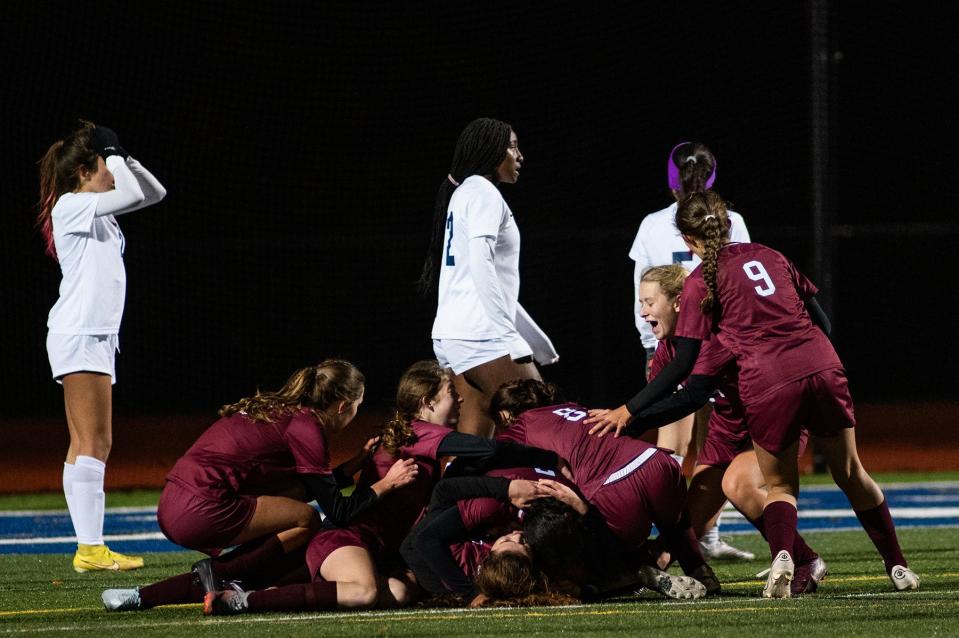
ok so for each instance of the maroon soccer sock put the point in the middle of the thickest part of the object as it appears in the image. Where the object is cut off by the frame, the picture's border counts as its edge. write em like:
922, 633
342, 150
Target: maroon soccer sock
781, 519
248, 558
760, 525
172, 591
882, 532
683, 545
801, 552
306, 597
289, 569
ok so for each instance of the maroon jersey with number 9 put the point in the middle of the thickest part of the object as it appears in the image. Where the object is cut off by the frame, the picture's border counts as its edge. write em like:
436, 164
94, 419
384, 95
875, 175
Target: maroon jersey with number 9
760, 316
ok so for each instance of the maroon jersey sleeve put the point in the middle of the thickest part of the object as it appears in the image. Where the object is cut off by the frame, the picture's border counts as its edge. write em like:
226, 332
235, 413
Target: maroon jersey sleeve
692, 323
307, 443
516, 432
428, 438
483, 513
713, 359
664, 354
806, 289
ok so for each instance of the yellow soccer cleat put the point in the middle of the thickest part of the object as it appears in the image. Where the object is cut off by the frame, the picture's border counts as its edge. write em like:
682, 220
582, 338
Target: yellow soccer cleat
93, 558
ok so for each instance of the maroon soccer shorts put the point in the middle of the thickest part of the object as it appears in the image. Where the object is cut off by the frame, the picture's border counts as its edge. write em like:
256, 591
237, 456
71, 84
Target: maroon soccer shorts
722, 444
201, 524
820, 402
653, 494
328, 541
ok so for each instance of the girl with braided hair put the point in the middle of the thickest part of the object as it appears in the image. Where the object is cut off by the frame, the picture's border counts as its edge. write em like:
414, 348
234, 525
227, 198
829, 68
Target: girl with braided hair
690, 168
86, 180
481, 332
755, 302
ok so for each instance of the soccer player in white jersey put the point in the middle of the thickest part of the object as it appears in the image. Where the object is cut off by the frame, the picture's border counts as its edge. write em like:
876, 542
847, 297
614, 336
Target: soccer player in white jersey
481, 331
690, 168
86, 179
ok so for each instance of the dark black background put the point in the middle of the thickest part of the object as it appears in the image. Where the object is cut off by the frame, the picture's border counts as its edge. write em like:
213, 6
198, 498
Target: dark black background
302, 144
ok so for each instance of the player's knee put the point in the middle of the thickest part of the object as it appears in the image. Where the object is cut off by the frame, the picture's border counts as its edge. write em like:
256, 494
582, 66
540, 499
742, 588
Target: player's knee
96, 445
359, 595
733, 488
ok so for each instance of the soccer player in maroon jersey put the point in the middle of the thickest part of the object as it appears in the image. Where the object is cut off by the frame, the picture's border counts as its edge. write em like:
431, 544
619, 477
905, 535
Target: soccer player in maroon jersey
727, 464
633, 484
357, 565
469, 519
474, 544
234, 486
763, 310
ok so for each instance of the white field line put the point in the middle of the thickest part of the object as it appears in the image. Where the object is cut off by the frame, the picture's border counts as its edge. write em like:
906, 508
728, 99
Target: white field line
142, 509
897, 512
460, 613
142, 536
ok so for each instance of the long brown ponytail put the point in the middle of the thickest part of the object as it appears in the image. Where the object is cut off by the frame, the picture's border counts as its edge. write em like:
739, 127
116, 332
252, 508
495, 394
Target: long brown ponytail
60, 173
703, 216
317, 387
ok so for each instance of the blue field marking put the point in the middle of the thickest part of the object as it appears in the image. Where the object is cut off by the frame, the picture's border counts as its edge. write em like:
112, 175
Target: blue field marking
821, 508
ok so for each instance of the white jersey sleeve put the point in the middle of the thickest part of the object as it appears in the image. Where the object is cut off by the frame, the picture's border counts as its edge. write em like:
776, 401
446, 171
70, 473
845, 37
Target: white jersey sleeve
640, 255
737, 228
542, 348
153, 190
126, 195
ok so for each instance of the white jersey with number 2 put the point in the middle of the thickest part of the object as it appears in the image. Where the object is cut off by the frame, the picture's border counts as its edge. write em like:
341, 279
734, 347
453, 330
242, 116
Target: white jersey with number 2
478, 210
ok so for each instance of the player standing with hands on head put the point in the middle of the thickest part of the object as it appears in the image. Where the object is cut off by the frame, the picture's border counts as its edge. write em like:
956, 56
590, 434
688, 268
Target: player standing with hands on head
481, 331
86, 180
763, 310
690, 168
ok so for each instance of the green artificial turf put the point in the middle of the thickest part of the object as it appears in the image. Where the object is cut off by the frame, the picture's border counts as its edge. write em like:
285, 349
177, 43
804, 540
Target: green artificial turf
40, 594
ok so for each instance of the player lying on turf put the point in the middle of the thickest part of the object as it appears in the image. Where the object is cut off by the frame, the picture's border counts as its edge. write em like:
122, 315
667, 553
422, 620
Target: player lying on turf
632, 484
475, 544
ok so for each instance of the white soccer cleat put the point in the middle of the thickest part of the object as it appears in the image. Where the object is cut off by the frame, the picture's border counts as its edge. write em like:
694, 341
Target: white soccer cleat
675, 587
721, 550
780, 576
903, 578
121, 599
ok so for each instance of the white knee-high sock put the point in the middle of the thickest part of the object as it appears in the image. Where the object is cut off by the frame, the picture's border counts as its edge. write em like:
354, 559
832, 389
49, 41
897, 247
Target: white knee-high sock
68, 470
86, 510
712, 534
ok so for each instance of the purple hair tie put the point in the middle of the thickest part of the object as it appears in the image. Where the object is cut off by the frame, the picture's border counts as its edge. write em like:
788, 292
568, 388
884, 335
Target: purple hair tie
672, 171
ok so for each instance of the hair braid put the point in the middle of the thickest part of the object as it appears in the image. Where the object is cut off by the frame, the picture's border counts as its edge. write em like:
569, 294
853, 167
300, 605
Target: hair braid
703, 216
